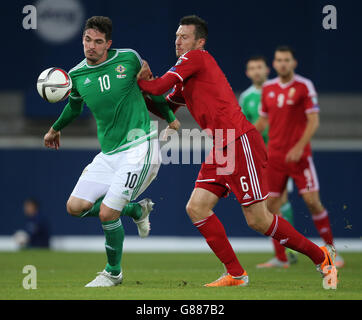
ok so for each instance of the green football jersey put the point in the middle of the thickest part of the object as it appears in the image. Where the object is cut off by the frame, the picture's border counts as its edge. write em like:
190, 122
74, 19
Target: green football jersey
249, 101
111, 92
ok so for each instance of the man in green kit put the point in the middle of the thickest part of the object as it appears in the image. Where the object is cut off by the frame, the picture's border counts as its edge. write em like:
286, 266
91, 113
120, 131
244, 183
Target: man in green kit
130, 156
257, 71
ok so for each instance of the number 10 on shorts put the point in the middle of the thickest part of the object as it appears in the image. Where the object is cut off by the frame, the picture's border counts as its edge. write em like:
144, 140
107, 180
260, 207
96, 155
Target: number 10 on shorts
131, 180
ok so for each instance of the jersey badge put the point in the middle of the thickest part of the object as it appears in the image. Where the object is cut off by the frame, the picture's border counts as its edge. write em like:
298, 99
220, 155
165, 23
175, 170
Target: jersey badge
291, 92
87, 81
271, 94
121, 69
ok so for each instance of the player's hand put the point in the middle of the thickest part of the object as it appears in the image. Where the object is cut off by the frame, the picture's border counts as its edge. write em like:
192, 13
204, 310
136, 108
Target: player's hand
145, 73
294, 154
52, 139
171, 128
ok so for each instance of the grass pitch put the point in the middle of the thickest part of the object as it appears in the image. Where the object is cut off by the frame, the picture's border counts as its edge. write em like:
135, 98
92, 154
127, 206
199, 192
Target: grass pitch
169, 276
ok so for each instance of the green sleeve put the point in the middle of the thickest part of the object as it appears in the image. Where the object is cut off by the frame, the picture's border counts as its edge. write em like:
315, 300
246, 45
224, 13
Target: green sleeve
71, 111
242, 103
162, 106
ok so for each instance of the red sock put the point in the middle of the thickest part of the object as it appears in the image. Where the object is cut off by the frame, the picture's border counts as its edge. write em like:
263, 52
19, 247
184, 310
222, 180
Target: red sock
282, 231
279, 251
321, 221
214, 233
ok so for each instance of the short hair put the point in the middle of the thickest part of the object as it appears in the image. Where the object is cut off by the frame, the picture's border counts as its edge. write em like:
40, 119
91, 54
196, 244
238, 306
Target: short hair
100, 23
257, 57
201, 30
285, 48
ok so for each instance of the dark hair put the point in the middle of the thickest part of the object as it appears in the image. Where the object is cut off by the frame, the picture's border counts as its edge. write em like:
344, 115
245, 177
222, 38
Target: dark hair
100, 23
201, 30
285, 48
257, 58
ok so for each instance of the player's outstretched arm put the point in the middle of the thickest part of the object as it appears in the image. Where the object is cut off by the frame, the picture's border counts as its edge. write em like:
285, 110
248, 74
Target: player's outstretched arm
52, 139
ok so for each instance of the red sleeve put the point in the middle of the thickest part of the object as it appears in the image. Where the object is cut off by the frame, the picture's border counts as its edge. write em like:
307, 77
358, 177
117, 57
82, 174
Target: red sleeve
310, 100
263, 111
158, 86
175, 99
188, 64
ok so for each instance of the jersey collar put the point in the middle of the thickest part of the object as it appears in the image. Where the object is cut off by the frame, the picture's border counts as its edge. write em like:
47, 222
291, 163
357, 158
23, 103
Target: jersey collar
104, 62
285, 85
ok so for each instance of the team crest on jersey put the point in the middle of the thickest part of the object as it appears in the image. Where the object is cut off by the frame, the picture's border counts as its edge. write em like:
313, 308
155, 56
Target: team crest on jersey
291, 92
121, 69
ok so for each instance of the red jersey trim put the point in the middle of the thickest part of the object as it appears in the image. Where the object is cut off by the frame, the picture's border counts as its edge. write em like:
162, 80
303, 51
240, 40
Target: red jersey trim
176, 74
174, 102
315, 109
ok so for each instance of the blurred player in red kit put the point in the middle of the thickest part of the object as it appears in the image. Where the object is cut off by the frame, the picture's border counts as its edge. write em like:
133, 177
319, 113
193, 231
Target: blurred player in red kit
289, 105
199, 83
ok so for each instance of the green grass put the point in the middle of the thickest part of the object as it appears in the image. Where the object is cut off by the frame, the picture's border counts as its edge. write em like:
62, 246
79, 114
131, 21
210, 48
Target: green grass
168, 276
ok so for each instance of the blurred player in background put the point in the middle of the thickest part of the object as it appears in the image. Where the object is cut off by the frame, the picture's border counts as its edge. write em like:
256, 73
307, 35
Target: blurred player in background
199, 83
130, 157
258, 71
37, 224
290, 108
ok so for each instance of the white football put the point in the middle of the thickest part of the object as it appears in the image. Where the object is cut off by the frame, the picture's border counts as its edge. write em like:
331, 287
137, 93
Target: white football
54, 85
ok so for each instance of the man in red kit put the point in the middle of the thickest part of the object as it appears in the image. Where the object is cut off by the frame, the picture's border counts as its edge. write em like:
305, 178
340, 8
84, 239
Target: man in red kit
290, 107
199, 83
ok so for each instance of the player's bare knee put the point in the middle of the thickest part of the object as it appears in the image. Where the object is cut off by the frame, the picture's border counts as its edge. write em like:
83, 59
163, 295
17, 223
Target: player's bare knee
108, 214
195, 212
274, 204
254, 224
315, 207
258, 217
75, 208
70, 208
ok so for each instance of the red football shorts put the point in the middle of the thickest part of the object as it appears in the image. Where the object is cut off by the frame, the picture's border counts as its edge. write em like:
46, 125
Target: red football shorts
240, 167
303, 173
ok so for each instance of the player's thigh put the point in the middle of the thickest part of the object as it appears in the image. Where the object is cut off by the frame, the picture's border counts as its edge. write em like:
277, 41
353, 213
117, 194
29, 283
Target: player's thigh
91, 185
278, 175
136, 169
304, 175
249, 181
201, 203
149, 170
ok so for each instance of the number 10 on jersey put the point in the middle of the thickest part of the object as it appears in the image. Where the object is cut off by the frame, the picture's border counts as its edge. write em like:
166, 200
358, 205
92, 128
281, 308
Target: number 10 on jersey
104, 82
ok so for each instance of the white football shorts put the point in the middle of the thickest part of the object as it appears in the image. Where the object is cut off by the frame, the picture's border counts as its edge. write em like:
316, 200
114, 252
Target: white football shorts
120, 177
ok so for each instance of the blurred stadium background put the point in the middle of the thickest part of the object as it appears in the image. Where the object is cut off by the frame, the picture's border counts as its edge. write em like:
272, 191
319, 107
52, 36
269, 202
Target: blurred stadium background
237, 30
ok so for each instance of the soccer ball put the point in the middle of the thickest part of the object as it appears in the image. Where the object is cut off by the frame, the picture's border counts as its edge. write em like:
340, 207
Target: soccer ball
54, 85
21, 238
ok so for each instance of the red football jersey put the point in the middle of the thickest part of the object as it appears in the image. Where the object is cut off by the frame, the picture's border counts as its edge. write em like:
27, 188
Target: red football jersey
207, 94
286, 106
199, 83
